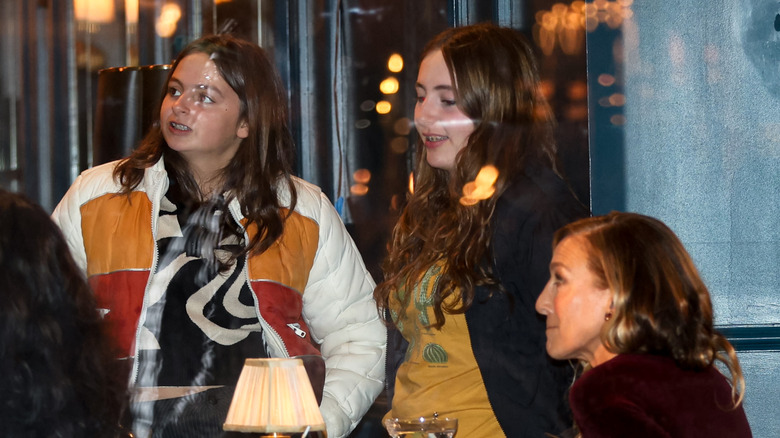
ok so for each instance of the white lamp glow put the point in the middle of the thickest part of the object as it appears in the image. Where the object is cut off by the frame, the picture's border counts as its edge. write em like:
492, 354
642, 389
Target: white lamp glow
131, 11
274, 396
94, 11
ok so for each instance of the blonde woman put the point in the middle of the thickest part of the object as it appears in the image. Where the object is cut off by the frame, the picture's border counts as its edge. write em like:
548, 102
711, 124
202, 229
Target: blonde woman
625, 298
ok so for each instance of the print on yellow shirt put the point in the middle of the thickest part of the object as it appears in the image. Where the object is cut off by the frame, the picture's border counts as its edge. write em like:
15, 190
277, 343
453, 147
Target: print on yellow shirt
439, 373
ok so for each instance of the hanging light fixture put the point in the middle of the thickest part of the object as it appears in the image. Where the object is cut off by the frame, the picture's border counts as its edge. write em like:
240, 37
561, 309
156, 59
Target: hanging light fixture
94, 11
131, 11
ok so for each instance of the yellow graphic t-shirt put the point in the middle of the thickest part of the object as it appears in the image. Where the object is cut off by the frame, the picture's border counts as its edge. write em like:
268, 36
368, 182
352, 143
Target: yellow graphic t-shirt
439, 373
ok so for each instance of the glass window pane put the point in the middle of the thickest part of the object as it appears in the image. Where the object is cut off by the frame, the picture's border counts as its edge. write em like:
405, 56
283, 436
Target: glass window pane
684, 115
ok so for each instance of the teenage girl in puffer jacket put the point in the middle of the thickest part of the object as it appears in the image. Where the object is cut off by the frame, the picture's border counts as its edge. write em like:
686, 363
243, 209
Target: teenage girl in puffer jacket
204, 250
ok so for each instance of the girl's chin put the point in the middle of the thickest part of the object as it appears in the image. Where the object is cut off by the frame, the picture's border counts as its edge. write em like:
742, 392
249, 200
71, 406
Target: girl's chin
441, 166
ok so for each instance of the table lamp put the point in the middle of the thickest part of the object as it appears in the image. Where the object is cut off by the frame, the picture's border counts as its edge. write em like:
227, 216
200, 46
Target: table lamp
274, 397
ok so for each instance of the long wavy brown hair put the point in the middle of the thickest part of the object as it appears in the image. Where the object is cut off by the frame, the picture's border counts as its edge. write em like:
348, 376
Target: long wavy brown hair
57, 360
264, 159
661, 306
496, 84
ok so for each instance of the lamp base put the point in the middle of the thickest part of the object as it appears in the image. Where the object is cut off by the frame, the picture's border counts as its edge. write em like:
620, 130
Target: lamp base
315, 434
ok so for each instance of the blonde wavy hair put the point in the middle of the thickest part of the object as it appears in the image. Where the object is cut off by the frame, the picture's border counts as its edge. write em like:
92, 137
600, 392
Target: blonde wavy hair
661, 305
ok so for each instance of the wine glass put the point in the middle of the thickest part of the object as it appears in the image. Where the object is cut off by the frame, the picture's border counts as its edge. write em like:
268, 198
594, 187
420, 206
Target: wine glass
422, 427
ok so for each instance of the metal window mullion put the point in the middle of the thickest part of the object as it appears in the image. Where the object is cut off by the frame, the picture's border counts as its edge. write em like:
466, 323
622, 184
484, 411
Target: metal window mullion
43, 103
511, 13
73, 96
307, 85
340, 102
12, 64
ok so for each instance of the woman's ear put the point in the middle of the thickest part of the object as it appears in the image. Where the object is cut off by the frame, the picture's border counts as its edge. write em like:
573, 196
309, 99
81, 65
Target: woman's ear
609, 311
243, 129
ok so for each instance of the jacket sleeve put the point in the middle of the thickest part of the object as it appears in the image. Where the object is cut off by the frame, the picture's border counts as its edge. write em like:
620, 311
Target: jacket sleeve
339, 307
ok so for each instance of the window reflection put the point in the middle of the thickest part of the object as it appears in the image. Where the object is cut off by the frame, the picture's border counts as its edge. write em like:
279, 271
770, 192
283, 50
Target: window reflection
350, 68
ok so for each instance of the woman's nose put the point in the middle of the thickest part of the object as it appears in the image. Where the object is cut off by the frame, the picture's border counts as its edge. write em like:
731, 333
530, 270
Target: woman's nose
423, 115
181, 104
543, 302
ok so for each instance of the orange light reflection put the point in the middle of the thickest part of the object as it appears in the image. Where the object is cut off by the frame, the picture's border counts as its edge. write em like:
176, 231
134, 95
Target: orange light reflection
483, 186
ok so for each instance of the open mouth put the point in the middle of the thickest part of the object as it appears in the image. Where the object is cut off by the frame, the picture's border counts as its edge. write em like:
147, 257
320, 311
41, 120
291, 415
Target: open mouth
179, 126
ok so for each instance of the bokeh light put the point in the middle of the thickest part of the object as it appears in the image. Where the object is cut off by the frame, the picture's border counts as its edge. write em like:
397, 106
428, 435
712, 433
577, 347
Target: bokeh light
399, 145
617, 99
618, 120
483, 186
577, 90
131, 11
358, 190
389, 86
402, 126
362, 176
396, 63
94, 11
169, 18
383, 107
606, 80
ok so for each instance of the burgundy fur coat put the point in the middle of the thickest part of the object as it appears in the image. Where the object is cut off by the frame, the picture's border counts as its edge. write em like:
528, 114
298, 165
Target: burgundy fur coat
650, 396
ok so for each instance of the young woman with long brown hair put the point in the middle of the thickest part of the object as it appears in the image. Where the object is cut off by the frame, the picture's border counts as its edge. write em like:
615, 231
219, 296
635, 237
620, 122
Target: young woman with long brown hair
469, 253
205, 250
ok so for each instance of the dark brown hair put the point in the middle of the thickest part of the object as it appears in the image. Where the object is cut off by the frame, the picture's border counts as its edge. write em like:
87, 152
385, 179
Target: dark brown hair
264, 159
496, 84
57, 361
660, 303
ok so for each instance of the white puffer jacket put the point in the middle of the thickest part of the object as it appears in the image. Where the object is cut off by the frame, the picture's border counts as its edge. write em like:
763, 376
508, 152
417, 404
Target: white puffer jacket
314, 265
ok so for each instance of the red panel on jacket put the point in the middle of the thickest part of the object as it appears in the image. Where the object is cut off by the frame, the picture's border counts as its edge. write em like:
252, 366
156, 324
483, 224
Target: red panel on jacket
279, 306
122, 293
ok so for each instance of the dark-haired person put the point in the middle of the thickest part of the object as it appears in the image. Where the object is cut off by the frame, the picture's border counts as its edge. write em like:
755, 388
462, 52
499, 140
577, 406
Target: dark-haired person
625, 298
60, 376
205, 250
469, 253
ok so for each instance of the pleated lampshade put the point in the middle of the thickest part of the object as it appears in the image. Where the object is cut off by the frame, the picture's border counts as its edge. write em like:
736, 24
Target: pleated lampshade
274, 396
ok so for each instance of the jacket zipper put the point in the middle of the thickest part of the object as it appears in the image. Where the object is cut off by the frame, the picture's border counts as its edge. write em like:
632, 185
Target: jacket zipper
155, 259
273, 334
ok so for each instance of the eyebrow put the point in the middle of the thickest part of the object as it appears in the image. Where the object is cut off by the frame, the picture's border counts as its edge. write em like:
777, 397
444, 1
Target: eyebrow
554, 265
199, 86
436, 88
